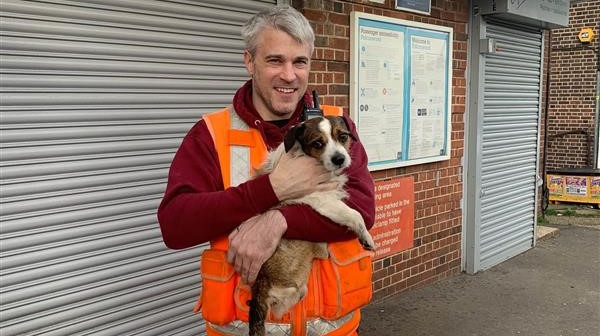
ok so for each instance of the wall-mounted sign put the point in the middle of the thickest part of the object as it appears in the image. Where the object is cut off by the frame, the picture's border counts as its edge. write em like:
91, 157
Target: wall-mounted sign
393, 231
401, 90
547, 14
586, 35
417, 6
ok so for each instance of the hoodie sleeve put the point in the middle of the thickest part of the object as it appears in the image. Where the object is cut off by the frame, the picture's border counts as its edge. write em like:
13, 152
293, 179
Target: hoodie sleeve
306, 224
195, 208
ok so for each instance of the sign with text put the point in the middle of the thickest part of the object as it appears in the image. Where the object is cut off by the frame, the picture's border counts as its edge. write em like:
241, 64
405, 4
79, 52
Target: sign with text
394, 216
401, 81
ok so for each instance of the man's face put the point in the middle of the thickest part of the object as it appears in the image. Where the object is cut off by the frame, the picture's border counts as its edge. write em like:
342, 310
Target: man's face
279, 71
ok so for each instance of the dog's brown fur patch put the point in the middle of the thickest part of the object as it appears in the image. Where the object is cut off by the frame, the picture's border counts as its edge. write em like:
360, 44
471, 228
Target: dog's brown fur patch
312, 139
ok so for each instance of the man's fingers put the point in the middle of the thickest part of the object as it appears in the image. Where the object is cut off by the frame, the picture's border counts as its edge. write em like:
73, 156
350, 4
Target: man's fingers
255, 243
247, 276
238, 264
253, 273
244, 275
230, 254
324, 177
232, 251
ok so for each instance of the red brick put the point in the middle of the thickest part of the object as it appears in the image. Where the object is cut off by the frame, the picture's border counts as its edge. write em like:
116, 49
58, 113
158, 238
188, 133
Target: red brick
437, 205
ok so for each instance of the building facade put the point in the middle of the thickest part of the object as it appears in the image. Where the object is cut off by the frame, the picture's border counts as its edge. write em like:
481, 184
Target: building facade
97, 95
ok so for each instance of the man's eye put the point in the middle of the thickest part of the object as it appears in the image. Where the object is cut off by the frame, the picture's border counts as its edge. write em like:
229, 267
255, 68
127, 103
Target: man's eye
301, 63
317, 144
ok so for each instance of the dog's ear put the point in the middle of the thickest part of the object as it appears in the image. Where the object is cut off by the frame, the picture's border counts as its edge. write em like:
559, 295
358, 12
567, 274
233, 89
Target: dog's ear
345, 123
292, 135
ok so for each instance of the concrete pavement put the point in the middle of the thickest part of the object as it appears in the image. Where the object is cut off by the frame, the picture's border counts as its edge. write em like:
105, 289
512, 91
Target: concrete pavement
550, 290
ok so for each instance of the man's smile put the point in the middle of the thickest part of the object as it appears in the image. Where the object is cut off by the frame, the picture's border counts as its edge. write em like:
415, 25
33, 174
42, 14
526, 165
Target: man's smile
285, 90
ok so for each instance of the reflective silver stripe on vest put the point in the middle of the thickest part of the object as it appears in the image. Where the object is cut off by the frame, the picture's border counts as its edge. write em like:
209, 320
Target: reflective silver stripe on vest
316, 327
240, 155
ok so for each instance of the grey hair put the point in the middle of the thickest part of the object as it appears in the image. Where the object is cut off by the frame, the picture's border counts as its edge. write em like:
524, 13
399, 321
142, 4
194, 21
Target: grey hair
283, 18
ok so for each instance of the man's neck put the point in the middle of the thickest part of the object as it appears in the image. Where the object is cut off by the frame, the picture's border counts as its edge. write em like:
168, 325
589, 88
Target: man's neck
264, 112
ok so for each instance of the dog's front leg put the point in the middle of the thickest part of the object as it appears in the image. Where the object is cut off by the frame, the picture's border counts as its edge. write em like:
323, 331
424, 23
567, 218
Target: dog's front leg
340, 213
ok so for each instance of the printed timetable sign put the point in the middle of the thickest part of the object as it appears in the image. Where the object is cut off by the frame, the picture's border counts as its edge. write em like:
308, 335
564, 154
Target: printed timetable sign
380, 98
393, 231
400, 90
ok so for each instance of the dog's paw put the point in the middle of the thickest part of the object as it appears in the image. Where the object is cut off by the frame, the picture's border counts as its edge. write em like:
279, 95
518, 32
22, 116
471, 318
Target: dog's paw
355, 220
367, 241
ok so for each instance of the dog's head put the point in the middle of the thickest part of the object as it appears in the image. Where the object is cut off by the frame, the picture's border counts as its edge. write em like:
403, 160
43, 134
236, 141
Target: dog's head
327, 139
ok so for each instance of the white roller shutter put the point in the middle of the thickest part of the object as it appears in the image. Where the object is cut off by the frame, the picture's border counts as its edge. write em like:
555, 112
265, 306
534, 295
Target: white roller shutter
96, 97
507, 153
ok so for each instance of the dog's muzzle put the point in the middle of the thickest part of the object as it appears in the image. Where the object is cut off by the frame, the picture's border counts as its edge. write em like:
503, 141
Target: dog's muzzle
338, 159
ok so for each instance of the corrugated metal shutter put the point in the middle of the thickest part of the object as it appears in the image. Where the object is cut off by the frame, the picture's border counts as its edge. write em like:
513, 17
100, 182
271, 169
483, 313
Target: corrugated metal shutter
96, 97
509, 142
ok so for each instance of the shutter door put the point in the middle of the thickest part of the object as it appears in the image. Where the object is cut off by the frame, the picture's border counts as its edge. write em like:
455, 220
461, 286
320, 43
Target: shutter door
509, 142
96, 97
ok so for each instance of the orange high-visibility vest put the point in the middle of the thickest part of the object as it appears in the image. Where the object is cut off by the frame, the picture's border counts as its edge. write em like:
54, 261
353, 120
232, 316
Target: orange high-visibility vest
337, 287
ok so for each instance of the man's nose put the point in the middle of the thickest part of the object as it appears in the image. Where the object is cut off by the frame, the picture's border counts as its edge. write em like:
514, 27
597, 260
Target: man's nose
288, 73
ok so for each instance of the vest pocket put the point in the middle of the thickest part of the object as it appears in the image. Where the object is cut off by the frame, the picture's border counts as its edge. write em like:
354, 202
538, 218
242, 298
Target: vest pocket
346, 279
242, 294
218, 284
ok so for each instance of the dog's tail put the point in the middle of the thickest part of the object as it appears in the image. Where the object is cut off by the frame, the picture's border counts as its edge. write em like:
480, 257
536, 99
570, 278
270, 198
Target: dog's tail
259, 308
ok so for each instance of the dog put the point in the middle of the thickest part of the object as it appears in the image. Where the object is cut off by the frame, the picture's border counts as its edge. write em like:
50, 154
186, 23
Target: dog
282, 280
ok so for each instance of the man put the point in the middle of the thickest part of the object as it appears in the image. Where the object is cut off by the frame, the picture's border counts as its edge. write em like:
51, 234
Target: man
200, 204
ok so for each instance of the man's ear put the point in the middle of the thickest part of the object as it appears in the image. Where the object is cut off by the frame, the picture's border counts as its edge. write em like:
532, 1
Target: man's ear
292, 135
248, 62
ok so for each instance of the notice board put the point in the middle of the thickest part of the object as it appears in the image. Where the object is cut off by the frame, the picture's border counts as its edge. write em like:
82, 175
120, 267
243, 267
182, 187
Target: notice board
401, 82
393, 230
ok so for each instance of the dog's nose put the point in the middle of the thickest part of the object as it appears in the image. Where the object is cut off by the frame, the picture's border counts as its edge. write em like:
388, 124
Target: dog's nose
338, 159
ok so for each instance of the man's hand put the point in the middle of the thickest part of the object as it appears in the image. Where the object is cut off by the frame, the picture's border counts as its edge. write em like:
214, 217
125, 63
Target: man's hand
253, 242
294, 177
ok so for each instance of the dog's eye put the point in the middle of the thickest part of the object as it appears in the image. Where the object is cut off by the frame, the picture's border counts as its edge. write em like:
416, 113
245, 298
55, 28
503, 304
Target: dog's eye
317, 144
343, 137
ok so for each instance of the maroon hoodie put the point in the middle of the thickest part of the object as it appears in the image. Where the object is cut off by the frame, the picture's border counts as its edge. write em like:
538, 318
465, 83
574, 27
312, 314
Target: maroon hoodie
196, 209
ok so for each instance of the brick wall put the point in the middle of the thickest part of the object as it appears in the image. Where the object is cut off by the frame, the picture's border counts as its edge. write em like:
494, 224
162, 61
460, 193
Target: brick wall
438, 217
572, 89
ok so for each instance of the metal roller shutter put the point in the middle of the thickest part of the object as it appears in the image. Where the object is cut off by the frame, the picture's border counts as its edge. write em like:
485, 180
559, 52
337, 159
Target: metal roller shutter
509, 142
96, 97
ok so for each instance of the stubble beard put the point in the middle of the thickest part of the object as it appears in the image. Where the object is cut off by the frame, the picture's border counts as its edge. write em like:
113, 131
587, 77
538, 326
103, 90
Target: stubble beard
284, 110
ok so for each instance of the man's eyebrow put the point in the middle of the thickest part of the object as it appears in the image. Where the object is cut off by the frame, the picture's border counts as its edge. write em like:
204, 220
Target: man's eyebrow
274, 56
279, 56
